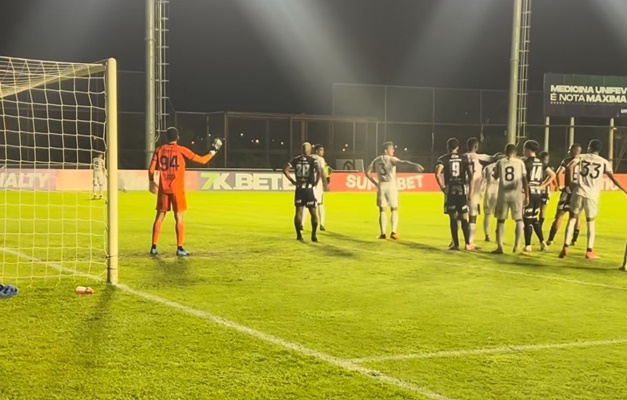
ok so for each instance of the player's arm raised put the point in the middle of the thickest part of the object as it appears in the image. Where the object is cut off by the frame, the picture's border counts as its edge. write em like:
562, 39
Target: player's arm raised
368, 173
286, 172
191, 156
418, 167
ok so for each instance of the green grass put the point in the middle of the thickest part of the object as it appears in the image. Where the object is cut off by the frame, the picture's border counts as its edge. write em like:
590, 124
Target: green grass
349, 297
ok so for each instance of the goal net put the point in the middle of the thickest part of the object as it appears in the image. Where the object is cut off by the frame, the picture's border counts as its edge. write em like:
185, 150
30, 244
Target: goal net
55, 119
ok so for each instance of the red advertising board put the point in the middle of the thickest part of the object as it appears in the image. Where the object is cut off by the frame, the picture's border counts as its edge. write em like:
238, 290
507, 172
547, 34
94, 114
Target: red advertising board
357, 182
255, 181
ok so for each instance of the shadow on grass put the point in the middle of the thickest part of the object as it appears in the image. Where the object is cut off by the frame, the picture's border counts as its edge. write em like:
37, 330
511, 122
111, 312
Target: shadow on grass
91, 336
334, 251
543, 262
410, 245
173, 272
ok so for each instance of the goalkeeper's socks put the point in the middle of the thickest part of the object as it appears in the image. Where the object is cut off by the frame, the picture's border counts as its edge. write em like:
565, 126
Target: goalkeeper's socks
180, 234
156, 231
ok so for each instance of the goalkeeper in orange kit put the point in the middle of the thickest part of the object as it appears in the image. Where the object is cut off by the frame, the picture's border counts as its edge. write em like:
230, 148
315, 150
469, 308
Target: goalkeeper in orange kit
170, 159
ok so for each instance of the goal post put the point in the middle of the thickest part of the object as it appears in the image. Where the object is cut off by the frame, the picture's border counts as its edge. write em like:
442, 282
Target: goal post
112, 183
58, 217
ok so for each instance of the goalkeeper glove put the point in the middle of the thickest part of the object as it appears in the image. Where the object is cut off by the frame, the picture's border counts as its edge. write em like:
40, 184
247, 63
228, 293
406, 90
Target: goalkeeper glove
216, 145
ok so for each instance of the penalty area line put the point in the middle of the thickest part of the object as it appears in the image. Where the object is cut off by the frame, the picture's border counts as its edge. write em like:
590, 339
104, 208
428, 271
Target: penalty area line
345, 364
490, 351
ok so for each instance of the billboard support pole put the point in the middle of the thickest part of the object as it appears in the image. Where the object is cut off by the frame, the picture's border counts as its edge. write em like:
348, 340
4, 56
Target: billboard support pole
610, 141
547, 130
571, 132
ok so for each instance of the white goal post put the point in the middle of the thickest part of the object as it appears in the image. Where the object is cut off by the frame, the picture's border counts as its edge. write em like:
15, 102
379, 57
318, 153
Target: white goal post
56, 119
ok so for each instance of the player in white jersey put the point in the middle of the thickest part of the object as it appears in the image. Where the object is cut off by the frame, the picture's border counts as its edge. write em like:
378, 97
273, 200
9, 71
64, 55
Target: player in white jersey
513, 195
318, 154
476, 162
490, 195
99, 171
586, 192
387, 191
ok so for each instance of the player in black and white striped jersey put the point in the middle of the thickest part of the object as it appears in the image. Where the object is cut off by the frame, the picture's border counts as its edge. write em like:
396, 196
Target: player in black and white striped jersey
539, 177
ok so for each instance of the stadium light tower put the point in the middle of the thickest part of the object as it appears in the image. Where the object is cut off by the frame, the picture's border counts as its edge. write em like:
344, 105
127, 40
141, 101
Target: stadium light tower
150, 79
156, 72
517, 112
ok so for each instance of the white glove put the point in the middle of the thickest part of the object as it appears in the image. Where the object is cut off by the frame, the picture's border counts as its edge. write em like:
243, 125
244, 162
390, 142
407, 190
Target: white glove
217, 143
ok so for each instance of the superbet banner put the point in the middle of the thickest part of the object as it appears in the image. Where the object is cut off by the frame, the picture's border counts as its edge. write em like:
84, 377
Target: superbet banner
585, 96
357, 182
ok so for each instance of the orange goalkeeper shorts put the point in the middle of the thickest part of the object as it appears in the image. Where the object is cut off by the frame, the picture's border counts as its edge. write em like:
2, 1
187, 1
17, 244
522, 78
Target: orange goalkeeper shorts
171, 201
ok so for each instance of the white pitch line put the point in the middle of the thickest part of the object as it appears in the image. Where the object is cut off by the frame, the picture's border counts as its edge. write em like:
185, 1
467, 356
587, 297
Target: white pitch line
488, 351
297, 348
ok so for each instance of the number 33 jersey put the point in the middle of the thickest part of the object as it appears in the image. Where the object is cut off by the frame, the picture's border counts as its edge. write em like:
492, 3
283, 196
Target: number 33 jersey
591, 168
169, 160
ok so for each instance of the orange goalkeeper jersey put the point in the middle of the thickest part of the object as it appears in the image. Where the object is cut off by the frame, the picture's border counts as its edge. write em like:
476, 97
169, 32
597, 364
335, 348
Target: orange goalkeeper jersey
169, 159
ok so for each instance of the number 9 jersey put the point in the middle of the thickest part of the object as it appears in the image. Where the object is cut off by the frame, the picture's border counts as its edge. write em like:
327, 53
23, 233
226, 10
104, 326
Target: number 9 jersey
169, 160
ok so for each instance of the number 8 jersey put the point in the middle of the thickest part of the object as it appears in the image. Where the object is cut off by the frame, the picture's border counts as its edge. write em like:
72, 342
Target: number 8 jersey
169, 160
591, 168
511, 171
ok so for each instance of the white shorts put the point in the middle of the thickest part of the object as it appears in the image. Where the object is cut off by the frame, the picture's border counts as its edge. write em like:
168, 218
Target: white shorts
489, 202
473, 206
319, 193
99, 179
387, 196
504, 207
585, 204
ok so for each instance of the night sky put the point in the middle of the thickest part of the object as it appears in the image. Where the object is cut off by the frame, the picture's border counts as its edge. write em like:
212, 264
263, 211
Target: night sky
283, 55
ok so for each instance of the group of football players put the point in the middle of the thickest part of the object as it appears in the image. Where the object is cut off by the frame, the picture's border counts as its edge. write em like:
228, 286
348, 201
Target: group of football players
510, 186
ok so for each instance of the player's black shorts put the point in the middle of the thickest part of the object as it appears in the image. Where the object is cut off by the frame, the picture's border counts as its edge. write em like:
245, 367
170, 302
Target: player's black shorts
545, 198
305, 197
564, 202
456, 203
532, 210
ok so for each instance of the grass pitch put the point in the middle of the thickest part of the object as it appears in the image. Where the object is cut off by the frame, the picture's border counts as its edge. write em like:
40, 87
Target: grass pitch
439, 325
